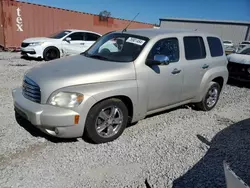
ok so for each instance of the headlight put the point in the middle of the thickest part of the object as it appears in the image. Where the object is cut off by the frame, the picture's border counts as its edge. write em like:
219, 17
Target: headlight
36, 43
66, 99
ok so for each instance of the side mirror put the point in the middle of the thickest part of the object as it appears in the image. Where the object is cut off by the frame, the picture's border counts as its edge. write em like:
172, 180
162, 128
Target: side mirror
68, 39
159, 60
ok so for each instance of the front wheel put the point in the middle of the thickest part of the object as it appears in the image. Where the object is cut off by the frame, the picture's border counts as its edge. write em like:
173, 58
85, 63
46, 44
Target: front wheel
106, 121
211, 98
51, 53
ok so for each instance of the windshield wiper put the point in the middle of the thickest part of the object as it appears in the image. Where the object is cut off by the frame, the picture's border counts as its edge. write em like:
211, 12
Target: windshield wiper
97, 57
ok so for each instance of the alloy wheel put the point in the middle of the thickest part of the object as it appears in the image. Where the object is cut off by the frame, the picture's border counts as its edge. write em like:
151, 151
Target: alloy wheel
109, 121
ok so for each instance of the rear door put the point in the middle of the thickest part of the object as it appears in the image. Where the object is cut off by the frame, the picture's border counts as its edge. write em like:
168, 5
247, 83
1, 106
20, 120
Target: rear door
195, 64
89, 39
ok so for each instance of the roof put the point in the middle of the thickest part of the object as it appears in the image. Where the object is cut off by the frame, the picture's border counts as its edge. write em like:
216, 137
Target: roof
206, 21
78, 30
152, 32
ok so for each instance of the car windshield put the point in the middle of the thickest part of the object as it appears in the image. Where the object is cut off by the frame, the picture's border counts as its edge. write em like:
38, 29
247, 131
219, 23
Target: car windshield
59, 35
245, 43
245, 51
119, 47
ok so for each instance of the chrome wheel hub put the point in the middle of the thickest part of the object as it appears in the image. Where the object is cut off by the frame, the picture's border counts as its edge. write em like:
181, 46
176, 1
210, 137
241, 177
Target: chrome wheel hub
212, 97
109, 121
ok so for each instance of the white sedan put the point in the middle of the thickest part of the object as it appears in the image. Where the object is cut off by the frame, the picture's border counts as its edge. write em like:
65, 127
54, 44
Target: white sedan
228, 43
63, 43
239, 64
241, 57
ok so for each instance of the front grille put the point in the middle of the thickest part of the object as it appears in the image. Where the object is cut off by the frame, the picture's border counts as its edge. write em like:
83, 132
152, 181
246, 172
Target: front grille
31, 90
24, 44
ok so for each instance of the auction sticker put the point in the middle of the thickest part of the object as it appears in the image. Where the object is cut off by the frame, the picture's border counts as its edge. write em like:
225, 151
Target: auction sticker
135, 41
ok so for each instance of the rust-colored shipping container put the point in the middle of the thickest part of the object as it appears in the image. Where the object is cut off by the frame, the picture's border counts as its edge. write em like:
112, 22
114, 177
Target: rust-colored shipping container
20, 20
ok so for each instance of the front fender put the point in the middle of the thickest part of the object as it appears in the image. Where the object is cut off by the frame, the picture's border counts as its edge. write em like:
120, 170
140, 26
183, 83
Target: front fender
94, 93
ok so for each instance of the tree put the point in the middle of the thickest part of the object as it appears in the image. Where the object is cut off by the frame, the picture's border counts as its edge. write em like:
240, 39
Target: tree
104, 15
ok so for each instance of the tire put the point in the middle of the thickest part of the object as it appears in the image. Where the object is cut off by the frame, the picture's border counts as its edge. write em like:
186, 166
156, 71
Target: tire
51, 53
20, 120
99, 123
213, 92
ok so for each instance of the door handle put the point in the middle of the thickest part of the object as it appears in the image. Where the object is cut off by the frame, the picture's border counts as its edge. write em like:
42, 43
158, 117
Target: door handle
82, 43
205, 66
176, 71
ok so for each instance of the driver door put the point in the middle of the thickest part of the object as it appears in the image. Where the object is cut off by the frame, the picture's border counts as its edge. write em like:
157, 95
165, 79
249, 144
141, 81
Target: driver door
75, 45
165, 81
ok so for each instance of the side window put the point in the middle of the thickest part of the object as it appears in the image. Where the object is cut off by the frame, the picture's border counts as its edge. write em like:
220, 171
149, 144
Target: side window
194, 48
76, 36
168, 47
215, 46
91, 37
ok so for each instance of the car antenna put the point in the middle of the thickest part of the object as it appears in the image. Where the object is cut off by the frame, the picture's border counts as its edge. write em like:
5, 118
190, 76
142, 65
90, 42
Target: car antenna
125, 29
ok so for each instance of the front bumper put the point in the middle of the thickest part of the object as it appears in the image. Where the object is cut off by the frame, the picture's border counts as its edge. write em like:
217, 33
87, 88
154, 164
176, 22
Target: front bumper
34, 51
55, 121
238, 71
239, 78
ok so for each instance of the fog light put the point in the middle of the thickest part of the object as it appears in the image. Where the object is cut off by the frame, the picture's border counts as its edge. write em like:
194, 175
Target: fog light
56, 131
50, 132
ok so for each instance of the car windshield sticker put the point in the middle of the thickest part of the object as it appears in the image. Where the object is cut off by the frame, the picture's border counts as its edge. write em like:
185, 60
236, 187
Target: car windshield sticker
135, 41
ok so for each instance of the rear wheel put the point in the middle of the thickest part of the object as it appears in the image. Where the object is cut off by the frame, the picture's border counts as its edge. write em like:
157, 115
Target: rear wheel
106, 121
51, 53
211, 98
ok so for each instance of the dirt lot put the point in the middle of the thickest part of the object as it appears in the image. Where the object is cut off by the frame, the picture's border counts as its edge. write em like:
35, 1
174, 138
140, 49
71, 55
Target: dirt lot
178, 148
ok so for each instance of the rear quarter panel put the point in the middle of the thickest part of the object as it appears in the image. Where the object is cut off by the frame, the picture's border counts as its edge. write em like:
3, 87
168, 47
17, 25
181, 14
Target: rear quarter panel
218, 68
211, 74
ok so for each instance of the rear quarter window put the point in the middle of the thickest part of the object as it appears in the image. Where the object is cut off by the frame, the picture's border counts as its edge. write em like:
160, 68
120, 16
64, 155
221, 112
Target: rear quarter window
215, 46
194, 48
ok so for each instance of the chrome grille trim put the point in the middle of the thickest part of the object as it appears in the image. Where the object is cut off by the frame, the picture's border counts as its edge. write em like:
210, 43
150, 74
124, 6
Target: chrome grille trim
31, 90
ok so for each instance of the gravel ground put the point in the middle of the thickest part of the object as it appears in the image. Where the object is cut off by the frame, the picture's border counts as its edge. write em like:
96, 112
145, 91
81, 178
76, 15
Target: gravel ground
178, 148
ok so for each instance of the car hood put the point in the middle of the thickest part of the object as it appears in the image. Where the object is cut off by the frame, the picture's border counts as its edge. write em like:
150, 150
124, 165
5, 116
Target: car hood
39, 39
77, 70
239, 58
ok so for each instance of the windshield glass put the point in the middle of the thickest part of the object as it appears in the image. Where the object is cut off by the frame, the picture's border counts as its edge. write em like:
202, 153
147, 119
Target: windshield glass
245, 43
245, 50
118, 47
59, 35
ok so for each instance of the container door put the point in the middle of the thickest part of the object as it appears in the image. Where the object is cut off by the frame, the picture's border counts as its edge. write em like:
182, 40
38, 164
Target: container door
1, 26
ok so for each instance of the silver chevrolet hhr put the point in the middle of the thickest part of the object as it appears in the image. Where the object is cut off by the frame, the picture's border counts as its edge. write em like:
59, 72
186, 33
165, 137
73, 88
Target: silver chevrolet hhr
123, 77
